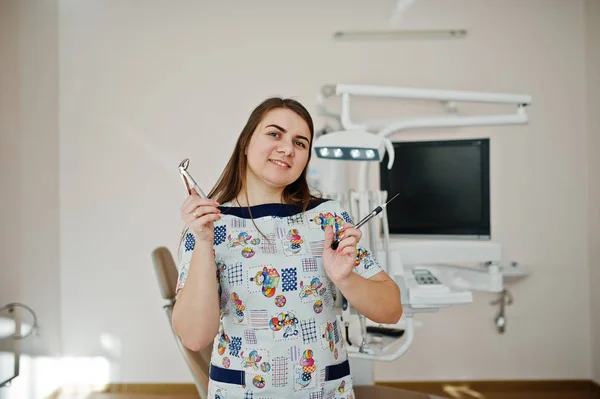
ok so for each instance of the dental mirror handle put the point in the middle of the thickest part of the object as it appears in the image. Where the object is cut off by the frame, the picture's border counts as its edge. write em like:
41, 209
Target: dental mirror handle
336, 243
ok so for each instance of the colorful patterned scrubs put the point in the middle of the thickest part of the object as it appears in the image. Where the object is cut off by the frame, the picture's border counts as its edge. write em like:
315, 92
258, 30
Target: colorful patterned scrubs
278, 330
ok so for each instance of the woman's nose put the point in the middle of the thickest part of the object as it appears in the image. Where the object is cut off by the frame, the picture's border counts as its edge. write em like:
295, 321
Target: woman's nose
285, 148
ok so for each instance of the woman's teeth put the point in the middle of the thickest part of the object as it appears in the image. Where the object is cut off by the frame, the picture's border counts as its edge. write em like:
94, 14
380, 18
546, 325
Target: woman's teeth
279, 163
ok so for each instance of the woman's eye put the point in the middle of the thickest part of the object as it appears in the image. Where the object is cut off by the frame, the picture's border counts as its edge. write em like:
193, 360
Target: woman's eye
274, 134
301, 144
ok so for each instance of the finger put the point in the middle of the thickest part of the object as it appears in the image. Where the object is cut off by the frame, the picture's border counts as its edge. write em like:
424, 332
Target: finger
346, 226
350, 250
350, 232
204, 210
196, 214
193, 201
201, 208
186, 203
199, 212
200, 223
194, 192
189, 200
342, 230
190, 217
328, 236
347, 242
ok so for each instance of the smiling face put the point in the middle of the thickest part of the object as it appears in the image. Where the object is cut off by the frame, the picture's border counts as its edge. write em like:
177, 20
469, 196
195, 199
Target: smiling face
278, 151
269, 161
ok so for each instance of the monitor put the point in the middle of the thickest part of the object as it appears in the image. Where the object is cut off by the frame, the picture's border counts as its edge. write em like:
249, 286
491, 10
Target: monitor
444, 188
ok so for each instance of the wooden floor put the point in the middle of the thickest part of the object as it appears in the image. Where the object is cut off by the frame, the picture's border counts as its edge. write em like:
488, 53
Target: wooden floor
511, 395
511, 392
485, 395
570, 390
140, 396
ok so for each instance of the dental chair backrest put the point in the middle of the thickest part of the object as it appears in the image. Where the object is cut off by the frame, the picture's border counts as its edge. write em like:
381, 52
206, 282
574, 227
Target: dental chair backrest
198, 362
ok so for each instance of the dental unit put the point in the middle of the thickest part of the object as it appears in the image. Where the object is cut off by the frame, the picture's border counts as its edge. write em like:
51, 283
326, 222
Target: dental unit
432, 273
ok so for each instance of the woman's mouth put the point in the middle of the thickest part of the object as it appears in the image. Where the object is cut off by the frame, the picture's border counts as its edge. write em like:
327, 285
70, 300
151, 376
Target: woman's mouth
279, 163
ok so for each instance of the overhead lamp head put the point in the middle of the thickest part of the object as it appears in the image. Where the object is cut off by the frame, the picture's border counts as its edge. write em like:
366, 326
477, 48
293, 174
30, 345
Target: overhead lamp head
353, 145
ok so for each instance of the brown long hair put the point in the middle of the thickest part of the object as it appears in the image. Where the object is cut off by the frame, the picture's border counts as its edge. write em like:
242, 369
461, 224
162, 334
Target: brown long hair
233, 178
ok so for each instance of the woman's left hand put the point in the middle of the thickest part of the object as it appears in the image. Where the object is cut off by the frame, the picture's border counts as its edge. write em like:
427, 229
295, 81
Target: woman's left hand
339, 263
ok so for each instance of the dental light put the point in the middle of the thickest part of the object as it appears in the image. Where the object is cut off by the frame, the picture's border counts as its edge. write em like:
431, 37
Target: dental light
354, 145
345, 91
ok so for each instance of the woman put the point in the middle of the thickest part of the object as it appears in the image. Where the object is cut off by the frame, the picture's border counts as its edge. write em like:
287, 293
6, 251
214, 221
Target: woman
271, 315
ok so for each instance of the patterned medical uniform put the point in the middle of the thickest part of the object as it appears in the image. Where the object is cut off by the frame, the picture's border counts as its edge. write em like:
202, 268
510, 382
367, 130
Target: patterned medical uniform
278, 325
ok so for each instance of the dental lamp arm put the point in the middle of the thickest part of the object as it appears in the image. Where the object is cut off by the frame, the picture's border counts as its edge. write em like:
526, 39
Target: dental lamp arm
430, 94
390, 150
519, 118
378, 298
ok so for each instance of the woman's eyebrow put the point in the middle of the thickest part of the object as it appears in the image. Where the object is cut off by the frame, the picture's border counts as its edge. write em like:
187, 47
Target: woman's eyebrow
303, 138
277, 127
285, 131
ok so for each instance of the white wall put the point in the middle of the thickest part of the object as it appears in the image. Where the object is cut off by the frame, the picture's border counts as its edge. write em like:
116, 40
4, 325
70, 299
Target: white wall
29, 272
144, 86
592, 34
9, 150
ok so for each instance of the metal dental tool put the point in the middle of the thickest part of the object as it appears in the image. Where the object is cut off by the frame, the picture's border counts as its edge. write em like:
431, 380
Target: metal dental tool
376, 211
188, 180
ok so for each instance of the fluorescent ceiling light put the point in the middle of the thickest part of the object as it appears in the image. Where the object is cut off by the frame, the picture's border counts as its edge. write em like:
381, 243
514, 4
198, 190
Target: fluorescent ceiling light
400, 34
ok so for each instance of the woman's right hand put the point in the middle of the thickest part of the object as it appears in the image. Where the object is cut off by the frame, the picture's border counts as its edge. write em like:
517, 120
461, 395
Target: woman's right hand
199, 214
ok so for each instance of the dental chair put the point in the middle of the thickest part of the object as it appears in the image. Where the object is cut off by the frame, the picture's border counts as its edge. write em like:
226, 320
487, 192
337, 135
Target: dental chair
198, 362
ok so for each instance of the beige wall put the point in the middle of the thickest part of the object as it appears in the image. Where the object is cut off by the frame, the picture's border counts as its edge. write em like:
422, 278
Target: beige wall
29, 165
592, 23
169, 81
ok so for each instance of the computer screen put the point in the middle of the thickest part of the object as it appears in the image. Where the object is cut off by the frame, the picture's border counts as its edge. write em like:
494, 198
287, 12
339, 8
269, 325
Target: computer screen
444, 188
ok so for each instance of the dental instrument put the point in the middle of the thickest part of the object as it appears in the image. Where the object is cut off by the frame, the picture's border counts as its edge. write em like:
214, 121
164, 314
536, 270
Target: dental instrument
375, 212
188, 180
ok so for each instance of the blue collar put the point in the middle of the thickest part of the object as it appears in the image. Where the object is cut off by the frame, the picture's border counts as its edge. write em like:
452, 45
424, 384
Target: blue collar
275, 210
